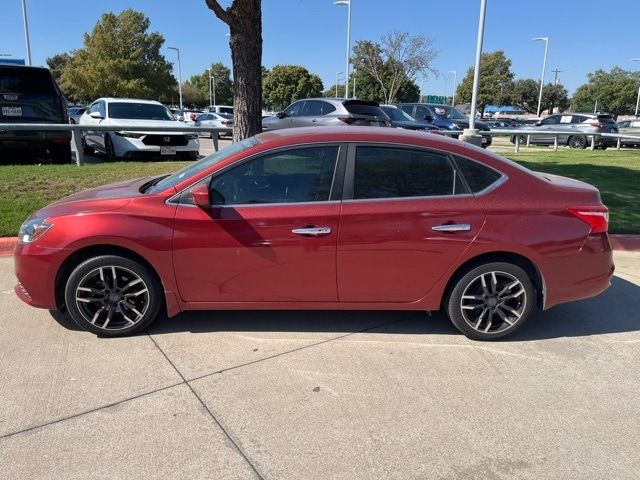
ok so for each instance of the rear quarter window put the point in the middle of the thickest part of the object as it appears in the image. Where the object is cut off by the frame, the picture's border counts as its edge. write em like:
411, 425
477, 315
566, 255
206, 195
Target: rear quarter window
477, 175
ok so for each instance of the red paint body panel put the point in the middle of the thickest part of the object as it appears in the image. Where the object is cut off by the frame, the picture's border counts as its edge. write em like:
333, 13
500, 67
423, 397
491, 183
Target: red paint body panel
379, 255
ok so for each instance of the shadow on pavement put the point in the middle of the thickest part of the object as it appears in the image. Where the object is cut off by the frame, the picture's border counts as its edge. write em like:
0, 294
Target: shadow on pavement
614, 311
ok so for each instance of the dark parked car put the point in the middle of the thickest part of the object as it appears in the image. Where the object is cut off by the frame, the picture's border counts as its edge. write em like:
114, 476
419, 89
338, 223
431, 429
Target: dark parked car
327, 112
30, 95
576, 130
444, 117
401, 119
322, 218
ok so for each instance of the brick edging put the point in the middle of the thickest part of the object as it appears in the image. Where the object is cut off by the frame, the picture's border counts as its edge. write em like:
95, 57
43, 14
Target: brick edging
625, 243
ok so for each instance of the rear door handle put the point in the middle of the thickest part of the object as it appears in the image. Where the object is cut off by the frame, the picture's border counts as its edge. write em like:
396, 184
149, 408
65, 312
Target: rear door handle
452, 227
312, 231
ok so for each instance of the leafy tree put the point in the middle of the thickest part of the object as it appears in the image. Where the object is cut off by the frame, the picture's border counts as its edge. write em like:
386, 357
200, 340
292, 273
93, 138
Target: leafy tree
525, 94
119, 58
396, 60
554, 96
57, 64
244, 18
495, 85
616, 91
286, 83
222, 81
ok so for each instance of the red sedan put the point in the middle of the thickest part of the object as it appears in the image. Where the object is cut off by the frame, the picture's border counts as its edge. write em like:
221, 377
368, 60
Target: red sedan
344, 218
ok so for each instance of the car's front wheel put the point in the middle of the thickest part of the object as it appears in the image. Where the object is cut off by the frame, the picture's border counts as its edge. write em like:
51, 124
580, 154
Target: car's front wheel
578, 141
491, 301
112, 296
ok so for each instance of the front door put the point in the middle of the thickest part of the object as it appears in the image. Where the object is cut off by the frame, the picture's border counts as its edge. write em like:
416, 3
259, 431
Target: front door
409, 217
270, 235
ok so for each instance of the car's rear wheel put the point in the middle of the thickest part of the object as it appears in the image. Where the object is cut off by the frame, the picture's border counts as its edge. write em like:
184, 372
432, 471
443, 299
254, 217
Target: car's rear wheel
577, 141
112, 296
491, 301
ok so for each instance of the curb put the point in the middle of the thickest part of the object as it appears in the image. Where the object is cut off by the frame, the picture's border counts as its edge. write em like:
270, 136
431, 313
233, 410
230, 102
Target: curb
624, 243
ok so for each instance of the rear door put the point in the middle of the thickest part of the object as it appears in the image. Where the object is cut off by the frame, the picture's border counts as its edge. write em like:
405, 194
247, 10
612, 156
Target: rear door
406, 217
29, 95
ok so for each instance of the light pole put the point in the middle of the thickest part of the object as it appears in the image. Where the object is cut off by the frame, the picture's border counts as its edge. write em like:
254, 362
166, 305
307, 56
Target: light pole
26, 30
422, 91
453, 95
212, 89
471, 134
337, 76
544, 66
179, 74
346, 3
638, 99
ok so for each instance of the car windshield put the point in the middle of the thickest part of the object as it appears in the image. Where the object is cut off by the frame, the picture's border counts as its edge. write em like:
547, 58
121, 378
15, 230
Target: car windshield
200, 165
139, 111
450, 113
397, 115
26, 81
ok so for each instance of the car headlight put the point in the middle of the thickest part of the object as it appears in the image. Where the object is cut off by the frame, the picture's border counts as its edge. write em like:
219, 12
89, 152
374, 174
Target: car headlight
129, 134
192, 136
33, 229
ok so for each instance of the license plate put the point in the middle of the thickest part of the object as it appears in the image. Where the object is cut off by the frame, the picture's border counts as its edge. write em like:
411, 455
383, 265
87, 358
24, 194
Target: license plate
167, 150
11, 111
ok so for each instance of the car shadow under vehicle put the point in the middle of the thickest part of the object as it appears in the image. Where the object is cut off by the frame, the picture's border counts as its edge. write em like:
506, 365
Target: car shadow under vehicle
614, 311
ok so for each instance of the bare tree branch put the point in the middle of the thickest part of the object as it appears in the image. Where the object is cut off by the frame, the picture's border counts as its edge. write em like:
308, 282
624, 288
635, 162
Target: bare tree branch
220, 12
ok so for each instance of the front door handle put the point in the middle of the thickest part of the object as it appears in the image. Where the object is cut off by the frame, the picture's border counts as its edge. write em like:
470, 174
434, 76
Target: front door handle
312, 231
452, 227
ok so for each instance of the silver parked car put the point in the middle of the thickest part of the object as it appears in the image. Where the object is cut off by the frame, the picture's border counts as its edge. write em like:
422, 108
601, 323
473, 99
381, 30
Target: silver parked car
222, 121
630, 127
577, 127
322, 112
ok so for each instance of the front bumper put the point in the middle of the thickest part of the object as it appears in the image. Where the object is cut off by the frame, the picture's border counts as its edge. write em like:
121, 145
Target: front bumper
36, 269
136, 148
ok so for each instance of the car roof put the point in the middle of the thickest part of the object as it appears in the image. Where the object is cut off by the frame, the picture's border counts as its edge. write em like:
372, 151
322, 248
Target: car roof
127, 100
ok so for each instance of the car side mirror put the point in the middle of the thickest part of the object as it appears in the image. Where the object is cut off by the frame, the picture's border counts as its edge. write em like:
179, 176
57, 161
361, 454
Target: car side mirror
200, 195
96, 115
281, 115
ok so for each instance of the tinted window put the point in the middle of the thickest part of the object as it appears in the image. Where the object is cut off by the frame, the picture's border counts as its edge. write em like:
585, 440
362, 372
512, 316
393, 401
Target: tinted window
478, 176
363, 109
422, 112
406, 108
98, 107
312, 108
26, 81
383, 172
228, 110
397, 115
449, 113
578, 119
297, 175
553, 120
624, 124
293, 110
139, 111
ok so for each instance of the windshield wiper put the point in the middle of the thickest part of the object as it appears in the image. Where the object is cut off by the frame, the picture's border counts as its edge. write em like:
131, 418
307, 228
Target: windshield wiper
151, 183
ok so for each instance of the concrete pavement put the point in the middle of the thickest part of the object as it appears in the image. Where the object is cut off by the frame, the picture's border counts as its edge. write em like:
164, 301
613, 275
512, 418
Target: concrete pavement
306, 395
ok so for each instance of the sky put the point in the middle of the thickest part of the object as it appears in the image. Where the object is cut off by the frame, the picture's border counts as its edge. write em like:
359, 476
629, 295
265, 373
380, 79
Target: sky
584, 34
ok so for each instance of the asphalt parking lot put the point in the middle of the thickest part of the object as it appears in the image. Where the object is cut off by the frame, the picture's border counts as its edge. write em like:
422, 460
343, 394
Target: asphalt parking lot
292, 395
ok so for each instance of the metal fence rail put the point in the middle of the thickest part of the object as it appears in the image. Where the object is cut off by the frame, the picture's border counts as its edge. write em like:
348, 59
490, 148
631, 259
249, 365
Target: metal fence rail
75, 129
516, 133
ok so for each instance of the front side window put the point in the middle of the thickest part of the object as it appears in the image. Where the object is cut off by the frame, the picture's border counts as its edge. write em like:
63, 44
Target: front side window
293, 110
385, 172
290, 176
98, 107
312, 108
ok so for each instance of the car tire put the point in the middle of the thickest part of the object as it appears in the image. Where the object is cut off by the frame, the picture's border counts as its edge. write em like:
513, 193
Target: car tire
577, 141
493, 310
109, 149
86, 148
193, 155
61, 154
112, 296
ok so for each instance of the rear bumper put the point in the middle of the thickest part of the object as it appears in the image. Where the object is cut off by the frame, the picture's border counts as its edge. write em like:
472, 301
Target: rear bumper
584, 275
33, 141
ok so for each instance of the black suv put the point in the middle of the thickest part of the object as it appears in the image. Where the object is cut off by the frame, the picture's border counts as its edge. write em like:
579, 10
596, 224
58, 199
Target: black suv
30, 95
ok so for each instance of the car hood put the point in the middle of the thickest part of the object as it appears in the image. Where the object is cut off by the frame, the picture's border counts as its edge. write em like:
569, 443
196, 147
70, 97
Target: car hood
99, 199
408, 124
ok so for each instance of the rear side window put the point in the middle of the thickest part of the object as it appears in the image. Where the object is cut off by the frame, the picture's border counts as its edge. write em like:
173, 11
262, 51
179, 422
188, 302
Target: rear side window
385, 172
26, 81
478, 176
579, 119
291, 176
363, 109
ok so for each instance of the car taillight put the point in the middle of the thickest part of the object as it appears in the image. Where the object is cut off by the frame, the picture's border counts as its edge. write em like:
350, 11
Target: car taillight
597, 125
227, 122
347, 120
596, 217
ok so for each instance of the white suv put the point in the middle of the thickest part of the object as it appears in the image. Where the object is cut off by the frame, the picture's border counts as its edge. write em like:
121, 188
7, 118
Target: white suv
134, 142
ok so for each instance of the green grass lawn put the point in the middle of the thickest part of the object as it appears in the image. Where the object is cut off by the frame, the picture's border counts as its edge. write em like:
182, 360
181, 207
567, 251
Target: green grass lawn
26, 188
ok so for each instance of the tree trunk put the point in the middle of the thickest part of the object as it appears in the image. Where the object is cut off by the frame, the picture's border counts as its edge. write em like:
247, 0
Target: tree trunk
244, 18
